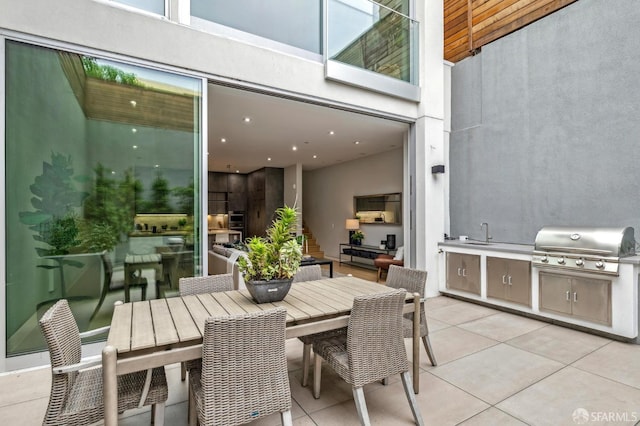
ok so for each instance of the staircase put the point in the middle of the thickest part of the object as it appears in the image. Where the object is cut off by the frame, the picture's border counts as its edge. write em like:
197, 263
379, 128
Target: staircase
311, 247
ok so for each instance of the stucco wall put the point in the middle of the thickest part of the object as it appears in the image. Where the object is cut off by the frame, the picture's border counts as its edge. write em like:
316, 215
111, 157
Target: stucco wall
545, 126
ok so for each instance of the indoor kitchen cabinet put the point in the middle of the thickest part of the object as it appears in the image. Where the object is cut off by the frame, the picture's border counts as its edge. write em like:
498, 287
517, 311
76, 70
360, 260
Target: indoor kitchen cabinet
237, 192
463, 272
265, 194
509, 280
576, 296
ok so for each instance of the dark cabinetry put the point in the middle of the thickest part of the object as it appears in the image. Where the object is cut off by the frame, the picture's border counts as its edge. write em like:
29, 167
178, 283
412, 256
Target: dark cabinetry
227, 192
265, 193
237, 192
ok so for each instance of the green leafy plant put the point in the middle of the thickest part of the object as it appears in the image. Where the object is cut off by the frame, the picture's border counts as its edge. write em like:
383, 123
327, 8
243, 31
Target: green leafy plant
54, 221
160, 192
358, 236
109, 208
276, 256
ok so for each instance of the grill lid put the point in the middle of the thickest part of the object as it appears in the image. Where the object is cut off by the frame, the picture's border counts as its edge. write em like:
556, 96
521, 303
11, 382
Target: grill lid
608, 242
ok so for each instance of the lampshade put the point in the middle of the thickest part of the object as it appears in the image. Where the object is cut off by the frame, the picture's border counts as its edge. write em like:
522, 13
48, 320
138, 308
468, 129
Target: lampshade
352, 224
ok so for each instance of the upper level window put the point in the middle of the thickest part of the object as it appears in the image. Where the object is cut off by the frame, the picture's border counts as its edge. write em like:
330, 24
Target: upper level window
293, 22
153, 6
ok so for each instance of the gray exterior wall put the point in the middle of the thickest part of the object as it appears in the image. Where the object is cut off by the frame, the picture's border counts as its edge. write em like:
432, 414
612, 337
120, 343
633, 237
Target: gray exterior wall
546, 124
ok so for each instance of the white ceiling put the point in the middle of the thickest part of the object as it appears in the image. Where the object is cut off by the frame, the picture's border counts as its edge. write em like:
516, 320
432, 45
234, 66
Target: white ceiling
278, 124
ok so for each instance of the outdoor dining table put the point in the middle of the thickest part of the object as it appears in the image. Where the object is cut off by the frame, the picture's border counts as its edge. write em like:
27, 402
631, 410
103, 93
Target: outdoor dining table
154, 333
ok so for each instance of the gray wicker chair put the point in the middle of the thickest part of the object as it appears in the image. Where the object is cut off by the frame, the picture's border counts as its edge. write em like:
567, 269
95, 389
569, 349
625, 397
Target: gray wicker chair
311, 273
244, 370
207, 284
76, 385
413, 281
372, 350
308, 273
199, 285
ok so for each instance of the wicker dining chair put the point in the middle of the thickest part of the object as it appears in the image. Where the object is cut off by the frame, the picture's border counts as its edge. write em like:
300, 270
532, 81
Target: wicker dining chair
372, 350
308, 273
311, 273
244, 370
109, 284
76, 385
199, 285
413, 281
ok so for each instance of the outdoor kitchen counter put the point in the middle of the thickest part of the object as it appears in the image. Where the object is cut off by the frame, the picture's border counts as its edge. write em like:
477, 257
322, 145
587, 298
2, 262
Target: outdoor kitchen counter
477, 271
493, 247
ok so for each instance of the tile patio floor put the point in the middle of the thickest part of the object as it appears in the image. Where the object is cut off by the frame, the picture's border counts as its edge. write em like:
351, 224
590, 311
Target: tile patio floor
494, 368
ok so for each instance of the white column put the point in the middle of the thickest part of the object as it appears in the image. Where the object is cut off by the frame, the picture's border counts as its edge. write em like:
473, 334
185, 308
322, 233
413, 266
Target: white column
430, 189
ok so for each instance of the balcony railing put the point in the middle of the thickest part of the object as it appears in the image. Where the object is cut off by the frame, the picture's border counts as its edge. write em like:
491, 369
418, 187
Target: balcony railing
367, 36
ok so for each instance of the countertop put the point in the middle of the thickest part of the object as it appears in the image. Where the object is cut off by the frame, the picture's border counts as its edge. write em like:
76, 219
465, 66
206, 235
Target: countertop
511, 248
222, 231
495, 247
159, 233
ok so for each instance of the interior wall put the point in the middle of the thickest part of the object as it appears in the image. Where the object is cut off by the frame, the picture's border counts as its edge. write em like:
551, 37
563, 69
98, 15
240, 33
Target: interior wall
328, 198
545, 125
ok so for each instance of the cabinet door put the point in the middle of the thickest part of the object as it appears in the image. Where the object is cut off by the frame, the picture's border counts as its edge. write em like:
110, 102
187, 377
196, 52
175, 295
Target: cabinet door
518, 281
496, 278
591, 300
463, 272
218, 182
555, 293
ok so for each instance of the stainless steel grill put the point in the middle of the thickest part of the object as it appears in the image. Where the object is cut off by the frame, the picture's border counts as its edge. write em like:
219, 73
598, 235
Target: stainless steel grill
596, 250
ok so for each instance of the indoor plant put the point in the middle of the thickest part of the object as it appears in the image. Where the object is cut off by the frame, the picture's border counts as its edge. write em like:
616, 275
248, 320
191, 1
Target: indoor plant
272, 261
357, 237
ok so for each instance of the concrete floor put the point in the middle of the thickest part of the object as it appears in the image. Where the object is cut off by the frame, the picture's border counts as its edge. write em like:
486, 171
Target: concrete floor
494, 368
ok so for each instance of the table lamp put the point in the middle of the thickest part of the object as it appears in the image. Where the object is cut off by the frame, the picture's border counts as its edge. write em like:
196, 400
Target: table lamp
352, 225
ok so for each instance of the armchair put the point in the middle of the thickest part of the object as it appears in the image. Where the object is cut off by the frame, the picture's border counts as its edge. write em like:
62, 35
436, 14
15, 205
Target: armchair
76, 386
383, 261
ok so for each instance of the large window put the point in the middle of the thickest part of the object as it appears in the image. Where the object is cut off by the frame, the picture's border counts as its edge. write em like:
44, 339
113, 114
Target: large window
102, 185
297, 23
154, 6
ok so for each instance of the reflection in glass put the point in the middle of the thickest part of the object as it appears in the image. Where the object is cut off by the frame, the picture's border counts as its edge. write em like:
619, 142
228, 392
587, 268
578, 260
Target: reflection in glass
374, 36
102, 186
293, 22
154, 6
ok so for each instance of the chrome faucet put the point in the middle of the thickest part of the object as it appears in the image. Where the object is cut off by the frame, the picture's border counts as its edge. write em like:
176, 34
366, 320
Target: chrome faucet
487, 237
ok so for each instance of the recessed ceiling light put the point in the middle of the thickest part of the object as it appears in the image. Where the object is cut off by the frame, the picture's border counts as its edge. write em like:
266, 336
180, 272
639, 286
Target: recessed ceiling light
247, 119
315, 156
237, 171
295, 148
223, 140
331, 132
134, 130
357, 142
133, 103
113, 172
268, 158
135, 147
157, 165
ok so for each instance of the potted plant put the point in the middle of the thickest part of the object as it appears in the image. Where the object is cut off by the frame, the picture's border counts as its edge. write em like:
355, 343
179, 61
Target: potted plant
272, 261
357, 237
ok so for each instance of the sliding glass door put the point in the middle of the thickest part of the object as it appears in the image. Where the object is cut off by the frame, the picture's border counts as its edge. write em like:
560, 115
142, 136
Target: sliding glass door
102, 185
